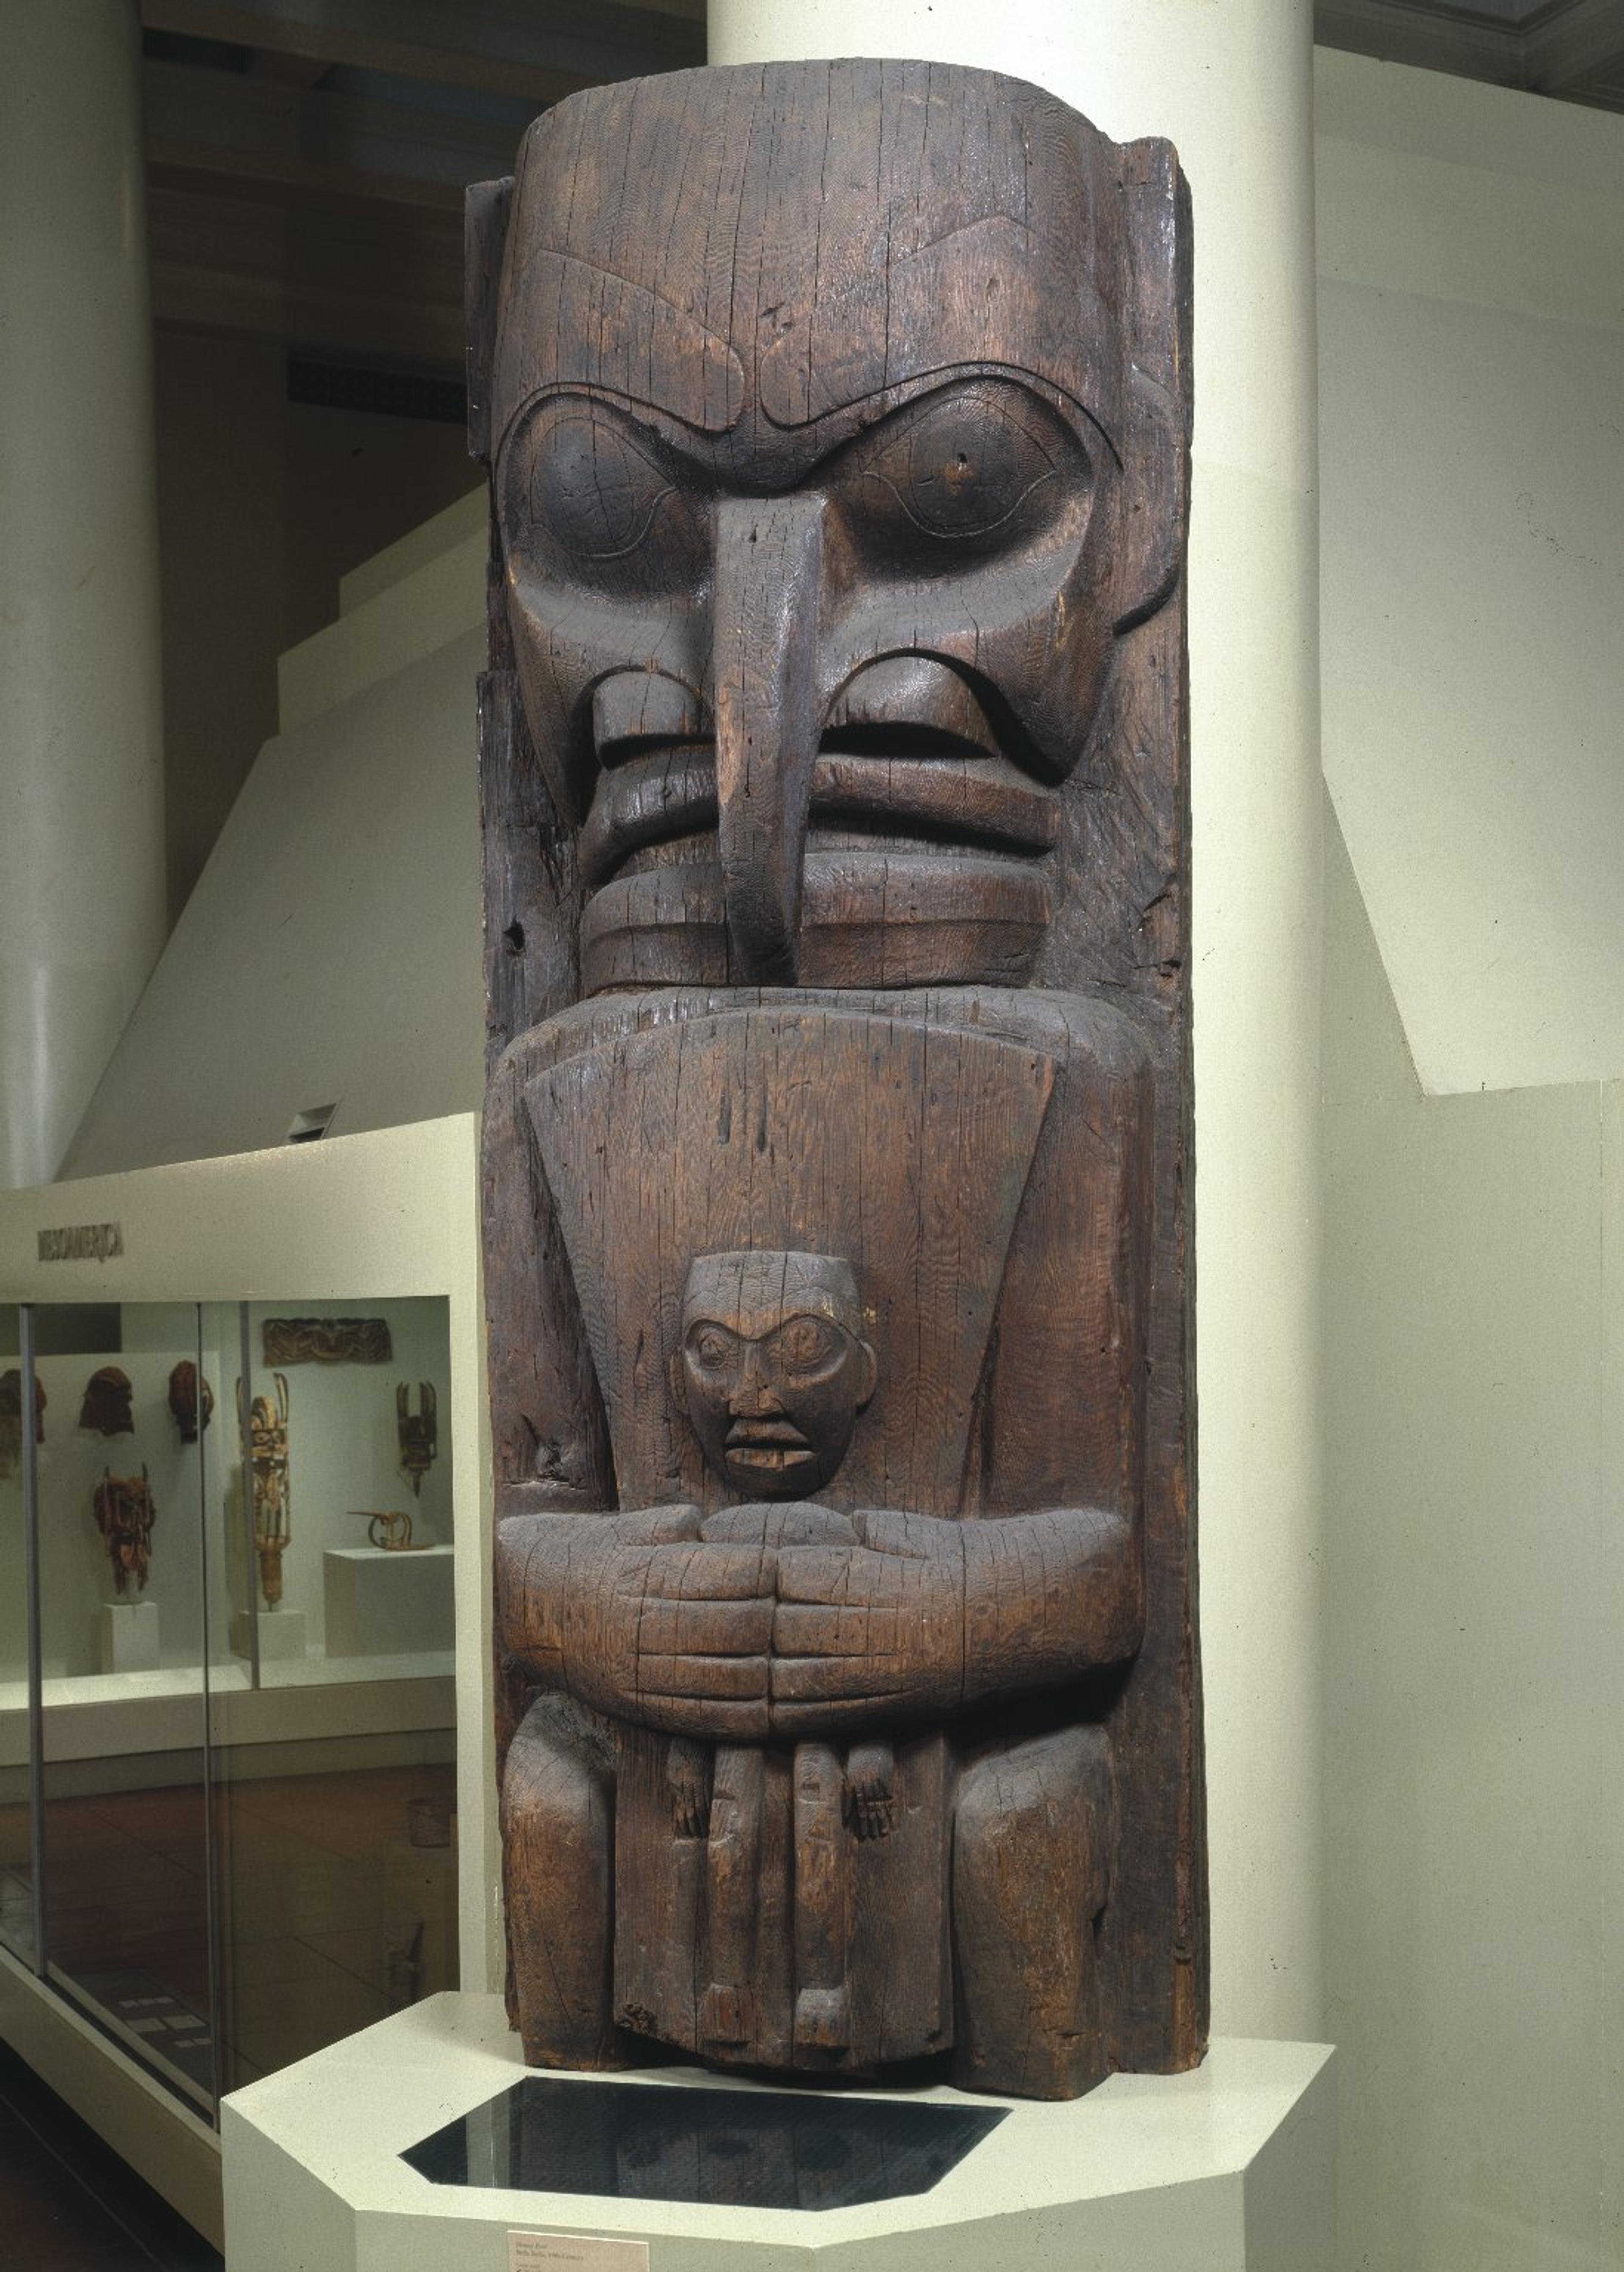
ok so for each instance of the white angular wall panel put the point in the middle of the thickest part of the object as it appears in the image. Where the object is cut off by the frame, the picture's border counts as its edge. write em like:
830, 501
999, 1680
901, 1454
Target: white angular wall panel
1471, 370
329, 953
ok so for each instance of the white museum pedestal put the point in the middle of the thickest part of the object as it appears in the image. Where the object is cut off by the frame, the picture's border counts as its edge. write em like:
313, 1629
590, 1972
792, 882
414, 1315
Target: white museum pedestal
385, 1604
1231, 2168
129, 1636
281, 1633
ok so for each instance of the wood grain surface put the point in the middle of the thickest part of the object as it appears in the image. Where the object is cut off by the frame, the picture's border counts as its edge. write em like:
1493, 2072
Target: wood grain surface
837, 1156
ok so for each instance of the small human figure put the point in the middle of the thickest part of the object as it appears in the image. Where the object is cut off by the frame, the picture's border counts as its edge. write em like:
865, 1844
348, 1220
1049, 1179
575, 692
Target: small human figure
774, 1370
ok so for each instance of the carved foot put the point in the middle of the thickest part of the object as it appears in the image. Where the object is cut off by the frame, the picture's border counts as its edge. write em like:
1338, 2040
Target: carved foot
1034, 1834
558, 1843
726, 2019
823, 2020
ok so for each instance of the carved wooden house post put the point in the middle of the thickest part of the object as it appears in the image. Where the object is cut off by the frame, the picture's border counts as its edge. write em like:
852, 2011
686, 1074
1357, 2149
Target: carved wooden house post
837, 1134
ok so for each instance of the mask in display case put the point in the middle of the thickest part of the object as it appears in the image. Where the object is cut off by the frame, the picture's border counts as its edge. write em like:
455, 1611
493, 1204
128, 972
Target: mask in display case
105, 1407
124, 1516
191, 1401
837, 1140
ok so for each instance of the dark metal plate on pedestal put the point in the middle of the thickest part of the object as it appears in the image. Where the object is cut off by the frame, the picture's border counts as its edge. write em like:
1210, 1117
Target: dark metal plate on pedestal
663, 2141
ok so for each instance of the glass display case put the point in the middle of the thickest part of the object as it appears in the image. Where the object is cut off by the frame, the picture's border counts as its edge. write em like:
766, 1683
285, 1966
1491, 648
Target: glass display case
226, 1716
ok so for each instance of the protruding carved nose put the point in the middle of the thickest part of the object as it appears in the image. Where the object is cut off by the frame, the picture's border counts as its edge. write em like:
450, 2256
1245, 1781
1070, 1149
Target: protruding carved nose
753, 1397
769, 711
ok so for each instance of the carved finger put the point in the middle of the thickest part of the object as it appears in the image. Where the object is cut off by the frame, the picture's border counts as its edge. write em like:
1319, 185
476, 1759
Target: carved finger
731, 1678
705, 1628
797, 1522
808, 1629
657, 1525
795, 1720
705, 1573
715, 1721
796, 1679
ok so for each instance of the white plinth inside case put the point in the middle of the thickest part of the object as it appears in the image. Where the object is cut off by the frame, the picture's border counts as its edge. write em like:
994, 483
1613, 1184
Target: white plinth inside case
385, 1604
1231, 2168
281, 1633
129, 1636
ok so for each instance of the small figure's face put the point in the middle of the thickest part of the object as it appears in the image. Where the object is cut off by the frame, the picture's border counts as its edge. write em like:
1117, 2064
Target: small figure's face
774, 1368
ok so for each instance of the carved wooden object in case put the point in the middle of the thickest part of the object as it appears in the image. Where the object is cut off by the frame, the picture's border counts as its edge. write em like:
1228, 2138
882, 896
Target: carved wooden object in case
838, 1129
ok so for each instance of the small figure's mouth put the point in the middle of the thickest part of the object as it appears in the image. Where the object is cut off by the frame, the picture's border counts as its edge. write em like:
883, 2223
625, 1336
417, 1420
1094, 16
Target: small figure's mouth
769, 1446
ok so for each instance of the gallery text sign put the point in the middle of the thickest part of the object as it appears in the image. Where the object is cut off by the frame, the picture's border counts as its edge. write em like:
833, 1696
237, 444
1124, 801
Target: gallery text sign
554, 2252
82, 1241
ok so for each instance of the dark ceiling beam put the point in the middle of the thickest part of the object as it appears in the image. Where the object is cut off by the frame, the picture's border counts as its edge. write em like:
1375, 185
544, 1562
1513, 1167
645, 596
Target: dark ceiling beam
542, 49
1566, 47
374, 284
1432, 39
259, 132
289, 70
1573, 49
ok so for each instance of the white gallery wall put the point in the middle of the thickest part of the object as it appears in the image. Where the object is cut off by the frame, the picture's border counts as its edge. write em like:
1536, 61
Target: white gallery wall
1472, 530
1471, 462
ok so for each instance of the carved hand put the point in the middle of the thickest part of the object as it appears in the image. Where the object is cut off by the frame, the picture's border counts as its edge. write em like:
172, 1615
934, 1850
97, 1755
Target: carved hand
871, 1631
638, 1616
925, 1615
796, 1621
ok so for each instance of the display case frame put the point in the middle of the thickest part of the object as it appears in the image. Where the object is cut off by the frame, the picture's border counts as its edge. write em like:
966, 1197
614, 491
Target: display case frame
387, 1216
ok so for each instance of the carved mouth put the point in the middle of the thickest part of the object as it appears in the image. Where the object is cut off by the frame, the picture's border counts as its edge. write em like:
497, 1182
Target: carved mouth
905, 787
768, 1446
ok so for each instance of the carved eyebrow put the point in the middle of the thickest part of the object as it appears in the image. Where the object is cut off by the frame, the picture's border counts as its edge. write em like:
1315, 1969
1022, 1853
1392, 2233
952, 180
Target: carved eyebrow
571, 323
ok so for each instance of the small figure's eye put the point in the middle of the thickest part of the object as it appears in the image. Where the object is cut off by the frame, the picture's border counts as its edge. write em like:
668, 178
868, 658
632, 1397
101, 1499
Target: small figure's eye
592, 489
806, 1343
711, 1346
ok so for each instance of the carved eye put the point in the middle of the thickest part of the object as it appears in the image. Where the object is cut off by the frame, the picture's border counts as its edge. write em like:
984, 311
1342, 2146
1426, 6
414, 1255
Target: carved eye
711, 1347
806, 1343
976, 462
592, 489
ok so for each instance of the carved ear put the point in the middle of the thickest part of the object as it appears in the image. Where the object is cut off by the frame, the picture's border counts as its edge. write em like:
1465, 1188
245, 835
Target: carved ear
870, 1374
1153, 497
485, 211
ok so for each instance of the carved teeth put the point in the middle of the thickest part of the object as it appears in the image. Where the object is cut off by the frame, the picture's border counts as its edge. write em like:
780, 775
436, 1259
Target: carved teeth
762, 1434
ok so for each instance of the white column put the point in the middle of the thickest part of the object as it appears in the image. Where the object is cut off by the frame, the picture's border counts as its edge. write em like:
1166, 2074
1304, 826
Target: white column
82, 914
1231, 85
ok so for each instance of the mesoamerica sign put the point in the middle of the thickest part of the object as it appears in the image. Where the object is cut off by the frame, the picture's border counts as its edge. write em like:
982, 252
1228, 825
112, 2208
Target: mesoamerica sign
82, 1241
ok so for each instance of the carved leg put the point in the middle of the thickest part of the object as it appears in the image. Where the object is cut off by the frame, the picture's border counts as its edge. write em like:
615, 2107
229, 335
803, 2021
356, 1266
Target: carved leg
728, 2016
1034, 1834
822, 2003
558, 1876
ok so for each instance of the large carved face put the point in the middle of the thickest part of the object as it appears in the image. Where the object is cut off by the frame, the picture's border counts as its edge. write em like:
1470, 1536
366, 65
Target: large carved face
826, 482
774, 1368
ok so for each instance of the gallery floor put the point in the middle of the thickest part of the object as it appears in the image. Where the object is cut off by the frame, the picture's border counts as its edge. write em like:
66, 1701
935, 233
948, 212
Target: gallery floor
332, 1912
68, 2203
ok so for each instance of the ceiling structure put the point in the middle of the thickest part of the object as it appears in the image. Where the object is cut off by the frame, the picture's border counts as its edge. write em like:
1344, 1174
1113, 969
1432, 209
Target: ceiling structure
306, 159
1572, 50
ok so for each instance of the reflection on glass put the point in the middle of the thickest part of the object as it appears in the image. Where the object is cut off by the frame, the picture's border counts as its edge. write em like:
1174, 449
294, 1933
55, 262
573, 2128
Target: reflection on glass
337, 1887
125, 1846
16, 1815
244, 1841
336, 1514
674, 2142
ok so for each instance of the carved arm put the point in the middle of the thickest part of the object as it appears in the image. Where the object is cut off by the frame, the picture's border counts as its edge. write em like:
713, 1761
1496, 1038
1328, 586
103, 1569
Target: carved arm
793, 1621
